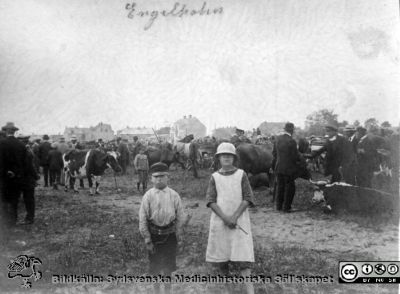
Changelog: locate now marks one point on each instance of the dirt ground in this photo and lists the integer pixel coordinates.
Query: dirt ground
(98, 235)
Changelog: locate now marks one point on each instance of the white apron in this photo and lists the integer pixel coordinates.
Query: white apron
(225, 244)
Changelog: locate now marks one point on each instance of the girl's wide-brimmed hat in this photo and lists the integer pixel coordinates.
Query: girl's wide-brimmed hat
(9, 126)
(226, 148)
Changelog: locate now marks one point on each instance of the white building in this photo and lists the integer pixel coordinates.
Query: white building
(141, 133)
(186, 126)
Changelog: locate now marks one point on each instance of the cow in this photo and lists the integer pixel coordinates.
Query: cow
(259, 180)
(190, 153)
(341, 197)
(257, 159)
(254, 159)
(90, 164)
(162, 153)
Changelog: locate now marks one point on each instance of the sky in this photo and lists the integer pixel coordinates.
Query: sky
(78, 63)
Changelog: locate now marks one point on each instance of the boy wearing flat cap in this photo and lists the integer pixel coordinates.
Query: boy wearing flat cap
(160, 222)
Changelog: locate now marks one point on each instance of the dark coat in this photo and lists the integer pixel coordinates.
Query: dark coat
(354, 143)
(285, 155)
(55, 160)
(44, 149)
(13, 158)
(339, 153)
(367, 151)
(31, 171)
(123, 151)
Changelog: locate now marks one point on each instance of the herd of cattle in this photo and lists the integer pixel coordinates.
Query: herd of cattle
(254, 159)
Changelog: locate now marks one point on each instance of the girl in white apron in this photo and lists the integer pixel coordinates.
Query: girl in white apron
(228, 195)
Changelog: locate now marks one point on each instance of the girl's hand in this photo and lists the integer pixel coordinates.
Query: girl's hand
(230, 221)
(150, 248)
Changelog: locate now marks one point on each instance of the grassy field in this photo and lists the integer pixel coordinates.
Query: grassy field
(98, 235)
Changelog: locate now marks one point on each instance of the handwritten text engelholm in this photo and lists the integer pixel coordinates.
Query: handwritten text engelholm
(178, 10)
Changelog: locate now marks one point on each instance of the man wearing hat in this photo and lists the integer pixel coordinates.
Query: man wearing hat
(285, 160)
(340, 156)
(44, 149)
(351, 134)
(13, 160)
(239, 137)
(63, 148)
(367, 157)
(160, 221)
(100, 145)
(351, 170)
(124, 154)
(349, 131)
(31, 175)
(74, 144)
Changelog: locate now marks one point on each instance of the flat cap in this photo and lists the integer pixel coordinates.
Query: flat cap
(159, 168)
(46, 137)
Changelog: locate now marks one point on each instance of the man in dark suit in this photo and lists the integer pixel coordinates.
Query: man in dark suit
(124, 154)
(367, 154)
(31, 175)
(285, 160)
(351, 134)
(350, 172)
(13, 162)
(340, 156)
(75, 145)
(44, 149)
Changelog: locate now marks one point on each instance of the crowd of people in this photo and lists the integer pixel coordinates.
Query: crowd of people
(22, 162)
(351, 158)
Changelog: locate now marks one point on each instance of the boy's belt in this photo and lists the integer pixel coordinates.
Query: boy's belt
(162, 230)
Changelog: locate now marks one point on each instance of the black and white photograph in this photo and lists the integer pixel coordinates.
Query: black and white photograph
(199, 146)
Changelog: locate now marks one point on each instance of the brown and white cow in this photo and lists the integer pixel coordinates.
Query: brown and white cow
(90, 164)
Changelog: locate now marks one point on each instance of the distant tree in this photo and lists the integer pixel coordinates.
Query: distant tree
(356, 123)
(224, 132)
(386, 124)
(316, 121)
(343, 123)
(271, 128)
(371, 123)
